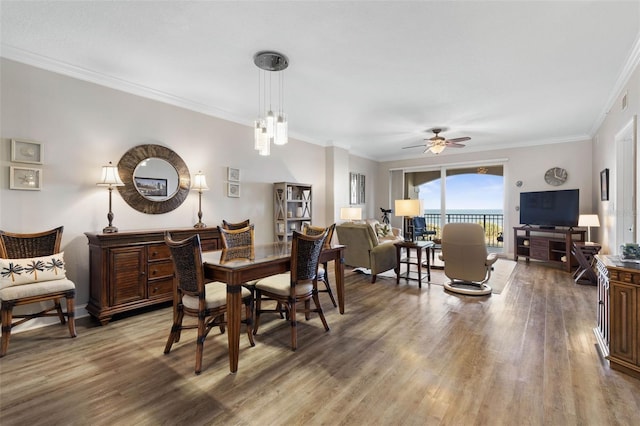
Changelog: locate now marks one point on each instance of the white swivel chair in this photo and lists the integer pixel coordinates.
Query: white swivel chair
(466, 260)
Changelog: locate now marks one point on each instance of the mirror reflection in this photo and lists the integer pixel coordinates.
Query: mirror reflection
(155, 179)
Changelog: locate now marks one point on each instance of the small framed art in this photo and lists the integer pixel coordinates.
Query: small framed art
(23, 151)
(233, 175)
(604, 185)
(233, 190)
(26, 178)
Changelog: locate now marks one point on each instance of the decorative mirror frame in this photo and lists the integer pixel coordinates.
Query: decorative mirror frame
(127, 167)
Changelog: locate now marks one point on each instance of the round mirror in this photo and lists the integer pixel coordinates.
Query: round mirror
(156, 180)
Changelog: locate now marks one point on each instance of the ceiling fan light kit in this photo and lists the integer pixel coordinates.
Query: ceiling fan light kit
(437, 143)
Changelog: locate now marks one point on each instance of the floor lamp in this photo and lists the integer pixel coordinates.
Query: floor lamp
(110, 178)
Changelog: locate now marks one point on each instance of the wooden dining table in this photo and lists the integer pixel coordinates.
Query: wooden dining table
(263, 260)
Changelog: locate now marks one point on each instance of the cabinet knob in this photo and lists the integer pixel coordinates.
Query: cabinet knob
(155, 253)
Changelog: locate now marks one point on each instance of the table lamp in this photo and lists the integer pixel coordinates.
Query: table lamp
(199, 184)
(351, 213)
(110, 178)
(588, 220)
(409, 209)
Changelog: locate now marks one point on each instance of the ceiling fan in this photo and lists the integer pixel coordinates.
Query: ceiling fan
(437, 144)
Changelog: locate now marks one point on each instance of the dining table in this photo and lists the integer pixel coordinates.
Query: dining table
(236, 267)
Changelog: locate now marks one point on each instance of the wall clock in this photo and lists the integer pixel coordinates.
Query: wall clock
(556, 176)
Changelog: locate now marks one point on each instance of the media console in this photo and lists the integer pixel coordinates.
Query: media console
(548, 245)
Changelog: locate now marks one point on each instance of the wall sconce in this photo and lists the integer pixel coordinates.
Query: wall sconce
(409, 209)
(110, 178)
(351, 213)
(589, 220)
(199, 184)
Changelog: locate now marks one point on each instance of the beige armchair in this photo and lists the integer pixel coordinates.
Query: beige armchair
(363, 249)
(466, 260)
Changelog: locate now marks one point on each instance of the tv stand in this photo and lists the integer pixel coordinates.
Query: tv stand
(547, 245)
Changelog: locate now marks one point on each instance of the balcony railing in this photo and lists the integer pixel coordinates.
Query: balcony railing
(492, 223)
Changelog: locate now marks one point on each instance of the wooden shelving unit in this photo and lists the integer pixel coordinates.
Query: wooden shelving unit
(548, 245)
(292, 208)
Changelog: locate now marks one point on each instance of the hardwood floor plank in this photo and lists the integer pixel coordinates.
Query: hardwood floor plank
(399, 355)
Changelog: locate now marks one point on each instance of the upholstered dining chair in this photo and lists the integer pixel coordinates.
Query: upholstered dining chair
(32, 270)
(297, 285)
(238, 225)
(207, 302)
(466, 260)
(322, 268)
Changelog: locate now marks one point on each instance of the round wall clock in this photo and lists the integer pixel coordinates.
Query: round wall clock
(556, 176)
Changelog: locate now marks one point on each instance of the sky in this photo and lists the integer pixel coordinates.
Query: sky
(468, 191)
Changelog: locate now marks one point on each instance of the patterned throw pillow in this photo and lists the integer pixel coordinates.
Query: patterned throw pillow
(383, 230)
(27, 271)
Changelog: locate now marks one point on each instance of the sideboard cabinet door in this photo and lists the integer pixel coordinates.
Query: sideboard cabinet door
(128, 280)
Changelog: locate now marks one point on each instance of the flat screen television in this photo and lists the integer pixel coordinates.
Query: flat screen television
(549, 209)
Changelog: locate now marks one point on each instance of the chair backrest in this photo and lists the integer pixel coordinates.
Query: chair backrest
(21, 246)
(187, 264)
(236, 237)
(464, 251)
(317, 230)
(360, 240)
(239, 225)
(305, 254)
(419, 226)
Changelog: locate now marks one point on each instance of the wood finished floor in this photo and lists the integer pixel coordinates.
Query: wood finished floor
(399, 356)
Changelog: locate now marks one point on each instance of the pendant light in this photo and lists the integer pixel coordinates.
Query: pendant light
(272, 127)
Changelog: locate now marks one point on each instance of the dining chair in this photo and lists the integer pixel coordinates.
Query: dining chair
(238, 225)
(32, 270)
(323, 275)
(297, 285)
(207, 302)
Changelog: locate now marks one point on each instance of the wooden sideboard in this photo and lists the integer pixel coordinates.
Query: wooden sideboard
(618, 325)
(133, 269)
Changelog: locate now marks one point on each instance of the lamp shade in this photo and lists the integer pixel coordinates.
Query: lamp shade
(200, 182)
(351, 213)
(588, 220)
(110, 176)
(408, 207)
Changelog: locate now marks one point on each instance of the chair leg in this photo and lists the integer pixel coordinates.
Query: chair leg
(71, 315)
(202, 334)
(307, 309)
(258, 303)
(58, 307)
(174, 335)
(294, 325)
(373, 278)
(7, 316)
(249, 319)
(316, 300)
(333, 300)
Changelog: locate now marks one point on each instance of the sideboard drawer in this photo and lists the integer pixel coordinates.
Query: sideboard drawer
(162, 269)
(157, 252)
(160, 288)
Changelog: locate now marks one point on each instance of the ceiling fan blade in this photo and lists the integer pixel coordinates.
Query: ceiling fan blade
(462, 139)
(413, 146)
(454, 145)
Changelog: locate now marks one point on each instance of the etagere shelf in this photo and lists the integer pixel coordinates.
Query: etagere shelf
(292, 208)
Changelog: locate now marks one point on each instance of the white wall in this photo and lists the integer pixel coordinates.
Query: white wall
(605, 157)
(83, 126)
(526, 164)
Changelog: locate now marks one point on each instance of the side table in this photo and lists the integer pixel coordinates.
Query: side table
(585, 252)
(418, 247)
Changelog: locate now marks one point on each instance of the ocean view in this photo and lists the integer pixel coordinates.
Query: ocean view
(465, 211)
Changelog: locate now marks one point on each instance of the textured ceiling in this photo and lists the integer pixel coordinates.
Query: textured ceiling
(372, 77)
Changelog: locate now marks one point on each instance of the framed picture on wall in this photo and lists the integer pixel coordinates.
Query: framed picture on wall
(23, 151)
(233, 175)
(604, 185)
(25, 178)
(233, 190)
